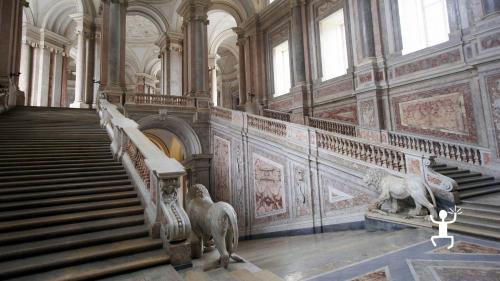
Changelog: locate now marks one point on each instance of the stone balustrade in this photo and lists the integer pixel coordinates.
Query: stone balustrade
(452, 151)
(333, 126)
(267, 125)
(278, 115)
(147, 99)
(221, 113)
(156, 176)
(359, 149)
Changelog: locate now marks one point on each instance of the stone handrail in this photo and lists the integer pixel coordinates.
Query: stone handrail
(438, 148)
(268, 125)
(333, 126)
(376, 154)
(148, 99)
(278, 115)
(221, 113)
(156, 176)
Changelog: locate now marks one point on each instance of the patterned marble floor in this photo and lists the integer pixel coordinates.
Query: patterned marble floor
(404, 255)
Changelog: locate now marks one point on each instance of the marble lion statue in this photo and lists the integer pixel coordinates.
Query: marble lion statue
(211, 220)
(394, 188)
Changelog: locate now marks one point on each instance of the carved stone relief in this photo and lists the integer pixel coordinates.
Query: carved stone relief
(222, 169)
(238, 185)
(367, 114)
(443, 113)
(302, 191)
(269, 186)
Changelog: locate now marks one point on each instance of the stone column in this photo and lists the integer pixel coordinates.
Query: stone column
(297, 38)
(64, 82)
(299, 89)
(41, 95)
(97, 60)
(194, 13)
(174, 64)
(25, 76)
(10, 48)
(241, 66)
(212, 66)
(163, 44)
(80, 71)
(57, 79)
(366, 28)
(90, 67)
(113, 50)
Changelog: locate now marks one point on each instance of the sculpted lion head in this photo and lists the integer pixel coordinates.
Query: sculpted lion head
(373, 178)
(198, 191)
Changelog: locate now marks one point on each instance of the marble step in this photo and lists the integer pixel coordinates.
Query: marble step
(92, 164)
(114, 187)
(17, 268)
(80, 156)
(479, 191)
(75, 228)
(482, 224)
(14, 192)
(11, 153)
(55, 162)
(479, 217)
(479, 206)
(17, 251)
(67, 209)
(12, 187)
(444, 168)
(43, 176)
(25, 224)
(57, 170)
(453, 171)
(481, 184)
(474, 179)
(474, 230)
(61, 201)
(464, 175)
(97, 270)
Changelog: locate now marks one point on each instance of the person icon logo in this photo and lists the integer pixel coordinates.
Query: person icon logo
(443, 225)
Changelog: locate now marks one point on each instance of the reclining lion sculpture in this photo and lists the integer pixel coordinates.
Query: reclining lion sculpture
(212, 220)
(393, 188)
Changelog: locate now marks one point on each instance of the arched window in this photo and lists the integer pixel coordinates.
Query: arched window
(424, 23)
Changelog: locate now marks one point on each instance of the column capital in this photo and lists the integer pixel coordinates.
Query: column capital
(196, 10)
(295, 3)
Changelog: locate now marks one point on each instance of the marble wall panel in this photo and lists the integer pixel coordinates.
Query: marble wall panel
(222, 169)
(367, 118)
(345, 113)
(302, 191)
(341, 197)
(428, 63)
(269, 187)
(493, 85)
(443, 112)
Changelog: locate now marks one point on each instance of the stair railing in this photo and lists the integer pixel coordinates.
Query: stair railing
(164, 100)
(333, 126)
(394, 159)
(156, 176)
(278, 115)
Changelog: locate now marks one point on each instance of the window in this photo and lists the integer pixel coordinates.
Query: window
(424, 23)
(281, 69)
(333, 45)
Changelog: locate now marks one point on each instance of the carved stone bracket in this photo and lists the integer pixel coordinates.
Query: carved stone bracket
(443, 187)
(177, 226)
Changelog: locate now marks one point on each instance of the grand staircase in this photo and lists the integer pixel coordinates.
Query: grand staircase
(480, 202)
(68, 210)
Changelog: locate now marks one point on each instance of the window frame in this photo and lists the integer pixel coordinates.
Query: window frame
(394, 38)
(274, 46)
(317, 63)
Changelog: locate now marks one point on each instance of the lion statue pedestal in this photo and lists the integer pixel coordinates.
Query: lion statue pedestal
(209, 221)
